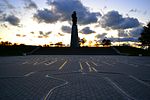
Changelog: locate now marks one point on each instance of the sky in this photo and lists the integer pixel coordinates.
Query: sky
(39, 22)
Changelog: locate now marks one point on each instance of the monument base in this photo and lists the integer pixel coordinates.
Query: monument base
(74, 37)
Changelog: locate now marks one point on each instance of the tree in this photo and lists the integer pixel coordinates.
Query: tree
(106, 42)
(145, 36)
(83, 41)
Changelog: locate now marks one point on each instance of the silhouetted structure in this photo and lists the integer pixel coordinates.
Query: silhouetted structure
(74, 32)
(145, 36)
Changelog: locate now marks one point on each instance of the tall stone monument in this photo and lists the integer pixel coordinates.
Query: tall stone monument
(74, 32)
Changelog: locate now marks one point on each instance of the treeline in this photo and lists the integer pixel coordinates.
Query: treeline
(8, 49)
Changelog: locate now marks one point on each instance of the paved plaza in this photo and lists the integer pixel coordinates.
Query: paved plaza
(75, 77)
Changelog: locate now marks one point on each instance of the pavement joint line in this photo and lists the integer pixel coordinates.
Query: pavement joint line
(25, 62)
(118, 88)
(50, 63)
(28, 74)
(107, 63)
(134, 65)
(147, 64)
(5, 77)
(140, 81)
(63, 65)
(48, 95)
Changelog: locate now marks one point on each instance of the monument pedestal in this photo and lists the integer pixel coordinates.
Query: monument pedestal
(74, 37)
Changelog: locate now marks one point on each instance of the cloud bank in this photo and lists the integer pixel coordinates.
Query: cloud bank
(13, 20)
(29, 4)
(61, 10)
(87, 30)
(66, 29)
(114, 20)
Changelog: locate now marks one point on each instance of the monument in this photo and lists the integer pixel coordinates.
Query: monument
(74, 32)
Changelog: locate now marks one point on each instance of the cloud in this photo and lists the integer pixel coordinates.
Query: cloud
(66, 29)
(60, 34)
(46, 16)
(29, 4)
(133, 10)
(32, 32)
(131, 39)
(101, 36)
(11, 19)
(114, 20)
(7, 4)
(136, 32)
(123, 33)
(20, 35)
(44, 34)
(61, 10)
(87, 30)
(4, 26)
(1, 11)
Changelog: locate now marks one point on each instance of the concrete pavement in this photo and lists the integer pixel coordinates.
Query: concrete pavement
(71, 77)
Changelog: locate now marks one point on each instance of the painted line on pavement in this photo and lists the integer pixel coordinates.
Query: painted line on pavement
(94, 69)
(25, 62)
(90, 69)
(37, 63)
(29, 74)
(48, 95)
(118, 88)
(94, 63)
(140, 81)
(63, 65)
(81, 67)
(47, 64)
(134, 65)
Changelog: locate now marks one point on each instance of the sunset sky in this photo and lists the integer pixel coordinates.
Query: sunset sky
(35, 22)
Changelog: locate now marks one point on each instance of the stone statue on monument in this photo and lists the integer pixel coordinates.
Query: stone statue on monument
(74, 18)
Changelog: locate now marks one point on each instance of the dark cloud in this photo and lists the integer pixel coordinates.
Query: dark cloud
(4, 25)
(136, 32)
(13, 20)
(123, 33)
(66, 29)
(47, 33)
(1, 11)
(29, 4)
(114, 20)
(101, 36)
(46, 16)
(40, 36)
(61, 10)
(32, 32)
(87, 30)
(131, 39)
(60, 34)
(44, 34)
(18, 35)
(133, 10)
